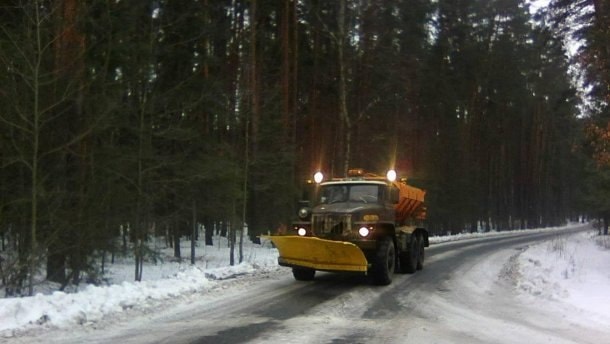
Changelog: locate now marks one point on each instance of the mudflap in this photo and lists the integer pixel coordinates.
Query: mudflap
(319, 254)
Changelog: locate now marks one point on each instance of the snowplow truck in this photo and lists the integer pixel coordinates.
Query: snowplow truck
(363, 223)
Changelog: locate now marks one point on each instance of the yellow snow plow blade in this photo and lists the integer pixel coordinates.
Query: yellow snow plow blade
(319, 254)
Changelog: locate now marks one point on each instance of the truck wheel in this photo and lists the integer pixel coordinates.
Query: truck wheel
(384, 262)
(420, 257)
(410, 259)
(303, 274)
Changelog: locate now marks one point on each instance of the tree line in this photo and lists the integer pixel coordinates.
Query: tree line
(587, 21)
(122, 120)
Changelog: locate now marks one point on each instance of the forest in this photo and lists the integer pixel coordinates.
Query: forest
(121, 120)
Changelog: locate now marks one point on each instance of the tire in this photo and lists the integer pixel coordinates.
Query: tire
(384, 262)
(303, 274)
(410, 258)
(421, 255)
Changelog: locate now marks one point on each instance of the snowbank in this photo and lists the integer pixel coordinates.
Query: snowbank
(571, 269)
(161, 281)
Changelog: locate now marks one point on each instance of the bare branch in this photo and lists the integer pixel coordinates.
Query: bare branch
(368, 106)
(15, 125)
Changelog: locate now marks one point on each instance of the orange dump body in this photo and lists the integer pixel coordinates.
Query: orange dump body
(410, 204)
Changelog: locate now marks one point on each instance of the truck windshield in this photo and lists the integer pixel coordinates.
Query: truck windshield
(364, 193)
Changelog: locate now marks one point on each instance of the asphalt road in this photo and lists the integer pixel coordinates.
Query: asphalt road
(440, 304)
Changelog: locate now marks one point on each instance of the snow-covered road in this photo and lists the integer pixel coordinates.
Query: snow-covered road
(483, 300)
(536, 287)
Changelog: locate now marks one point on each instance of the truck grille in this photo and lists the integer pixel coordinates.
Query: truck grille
(331, 224)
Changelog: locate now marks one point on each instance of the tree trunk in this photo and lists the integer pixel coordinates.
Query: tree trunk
(56, 265)
(194, 233)
(209, 231)
(255, 86)
(103, 261)
(244, 190)
(241, 243)
(288, 68)
(136, 248)
(125, 233)
(223, 228)
(343, 111)
(36, 121)
(176, 231)
(254, 75)
(232, 244)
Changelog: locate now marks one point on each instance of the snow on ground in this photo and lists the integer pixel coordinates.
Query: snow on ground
(570, 269)
(163, 280)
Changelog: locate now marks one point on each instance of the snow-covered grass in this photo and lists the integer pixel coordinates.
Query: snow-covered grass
(572, 269)
(603, 241)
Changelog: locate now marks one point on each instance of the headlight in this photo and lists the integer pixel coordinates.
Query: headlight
(364, 231)
(303, 213)
(302, 231)
(318, 177)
